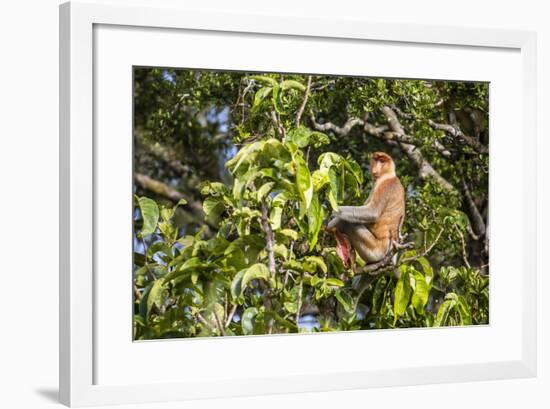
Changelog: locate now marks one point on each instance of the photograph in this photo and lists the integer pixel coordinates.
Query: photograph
(282, 203)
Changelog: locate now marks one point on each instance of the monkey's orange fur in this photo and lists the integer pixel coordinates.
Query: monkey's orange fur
(371, 228)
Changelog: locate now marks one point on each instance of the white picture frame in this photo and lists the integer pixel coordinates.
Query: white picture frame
(79, 384)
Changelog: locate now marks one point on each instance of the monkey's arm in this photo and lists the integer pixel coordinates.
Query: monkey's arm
(359, 214)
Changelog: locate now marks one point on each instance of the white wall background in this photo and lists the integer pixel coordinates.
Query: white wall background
(29, 204)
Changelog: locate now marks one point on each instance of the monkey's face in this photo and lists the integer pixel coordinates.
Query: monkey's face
(381, 164)
(377, 168)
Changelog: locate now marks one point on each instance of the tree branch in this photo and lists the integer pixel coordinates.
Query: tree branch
(340, 131)
(162, 189)
(395, 133)
(266, 227)
(230, 315)
(425, 169)
(278, 124)
(381, 132)
(475, 215)
(304, 102)
(203, 321)
(457, 133)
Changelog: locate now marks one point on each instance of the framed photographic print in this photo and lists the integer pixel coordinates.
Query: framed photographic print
(238, 198)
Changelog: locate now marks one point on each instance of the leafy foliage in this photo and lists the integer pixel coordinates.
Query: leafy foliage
(257, 260)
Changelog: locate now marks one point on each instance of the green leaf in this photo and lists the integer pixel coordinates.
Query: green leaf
(334, 282)
(421, 292)
(212, 207)
(318, 262)
(378, 292)
(243, 154)
(236, 284)
(150, 214)
(336, 186)
(280, 250)
(464, 311)
(194, 263)
(315, 216)
(257, 271)
(303, 181)
(292, 84)
(248, 320)
(328, 160)
(402, 293)
(143, 311)
(264, 190)
(332, 200)
(156, 296)
(291, 307)
(355, 170)
(443, 313)
(427, 268)
(261, 94)
(299, 136)
(346, 301)
(264, 80)
(277, 206)
(318, 139)
(292, 234)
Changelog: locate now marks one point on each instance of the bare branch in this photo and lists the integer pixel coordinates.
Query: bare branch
(218, 322)
(231, 315)
(392, 133)
(304, 102)
(464, 253)
(205, 323)
(278, 124)
(340, 131)
(425, 169)
(168, 156)
(457, 133)
(475, 215)
(162, 189)
(266, 227)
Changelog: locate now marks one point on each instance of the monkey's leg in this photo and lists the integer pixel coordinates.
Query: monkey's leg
(369, 248)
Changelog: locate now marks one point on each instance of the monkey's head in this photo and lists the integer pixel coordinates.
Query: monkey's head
(381, 164)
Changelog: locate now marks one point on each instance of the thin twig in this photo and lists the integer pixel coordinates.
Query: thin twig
(299, 302)
(426, 251)
(304, 102)
(218, 322)
(464, 254)
(230, 315)
(277, 122)
(457, 133)
(203, 321)
(266, 227)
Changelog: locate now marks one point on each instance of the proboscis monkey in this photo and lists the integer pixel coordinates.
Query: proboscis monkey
(370, 229)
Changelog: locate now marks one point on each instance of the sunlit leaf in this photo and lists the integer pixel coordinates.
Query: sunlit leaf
(156, 295)
(292, 84)
(420, 293)
(346, 301)
(335, 282)
(150, 214)
(315, 216)
(402, 293)
(260, 95)
(299, 136)
(303, 181)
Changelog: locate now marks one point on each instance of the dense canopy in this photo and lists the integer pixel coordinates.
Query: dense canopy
(237, 173)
